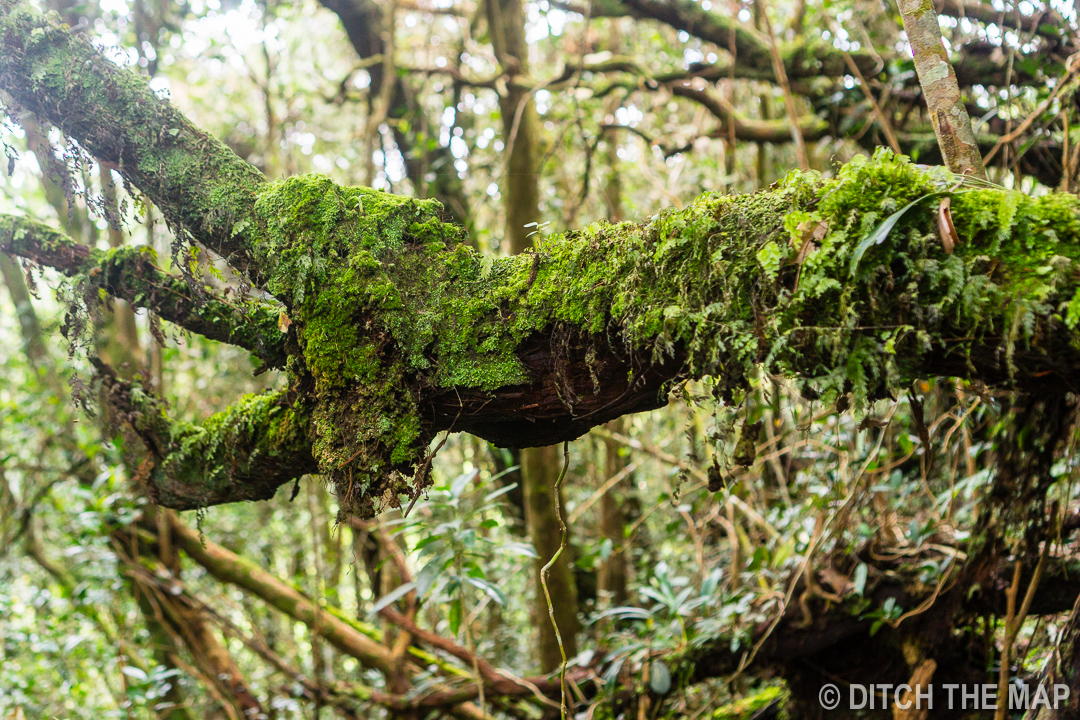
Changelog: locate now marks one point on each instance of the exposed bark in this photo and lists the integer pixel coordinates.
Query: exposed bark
(166, 606)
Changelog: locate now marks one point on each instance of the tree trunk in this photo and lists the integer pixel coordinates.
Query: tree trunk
(940, 89)
(615, 571)
(521, 195)
(540, 469)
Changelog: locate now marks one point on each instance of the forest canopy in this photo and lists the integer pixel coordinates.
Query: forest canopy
(634, 358)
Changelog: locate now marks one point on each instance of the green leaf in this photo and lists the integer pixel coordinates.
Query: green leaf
(631, 613)
(486, 264)
(770, 257)
(394, 595)
(660, 678)
(455, 616)
(427, 576)
(488, 589)
(860, 578)
(499, 493)
(882, 231)
(516, 548)
(426, 541)
(458, 485)
(134, 673)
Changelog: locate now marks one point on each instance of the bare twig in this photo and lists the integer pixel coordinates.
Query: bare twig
(1014, 620)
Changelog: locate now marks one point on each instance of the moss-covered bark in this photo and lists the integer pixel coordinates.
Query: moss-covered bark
(129, 273)
(195, 180)
(398, 330)
(402, 331)
(243, 453)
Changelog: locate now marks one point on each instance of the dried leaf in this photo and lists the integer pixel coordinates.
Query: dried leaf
(946, 229)
(837, 581)
(811, 234)
(808, 247)
(283, 322)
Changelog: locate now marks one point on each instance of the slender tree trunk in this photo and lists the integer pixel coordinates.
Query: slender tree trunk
(29, 326)
(951, 123)
(521, 194)
(540, 469)
(614, 573)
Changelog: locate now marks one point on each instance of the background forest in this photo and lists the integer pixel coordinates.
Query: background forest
(714, 566)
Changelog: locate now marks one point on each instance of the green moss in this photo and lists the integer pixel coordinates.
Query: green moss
(206, 456)
(388, 306)
(748, 706)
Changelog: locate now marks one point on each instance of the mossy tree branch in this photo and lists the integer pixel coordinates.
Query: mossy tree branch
(195, 180)
(129, 273)
(243, 453)
(401, 331)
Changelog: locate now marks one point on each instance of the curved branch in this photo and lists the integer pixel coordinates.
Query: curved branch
(246, 452)
(195, 180)
(771, 131)
(752, 53)
(129, 273)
